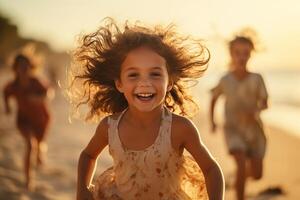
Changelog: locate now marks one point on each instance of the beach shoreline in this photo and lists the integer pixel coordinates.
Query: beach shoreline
(57, 180)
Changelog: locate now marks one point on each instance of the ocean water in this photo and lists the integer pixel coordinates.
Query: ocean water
(284, 98)
(284, 108)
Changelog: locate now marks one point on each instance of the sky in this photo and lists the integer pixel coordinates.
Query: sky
(277, 23)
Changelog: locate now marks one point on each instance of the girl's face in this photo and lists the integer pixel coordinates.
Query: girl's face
(22, 68)
(144, 79)
(240, 54)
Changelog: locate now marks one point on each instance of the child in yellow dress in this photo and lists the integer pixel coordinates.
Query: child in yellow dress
(136, 75)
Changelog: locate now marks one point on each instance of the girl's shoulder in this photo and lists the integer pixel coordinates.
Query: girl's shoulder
(179, 121)
(102, 128)
(256, 77)
(183, 131)
(10, 86)
(182, 125)
(226, 77)
(36, 81)
(105, 123)
(114, 116)
(254, 74)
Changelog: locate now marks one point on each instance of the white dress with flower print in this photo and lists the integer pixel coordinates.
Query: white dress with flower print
(155, 173)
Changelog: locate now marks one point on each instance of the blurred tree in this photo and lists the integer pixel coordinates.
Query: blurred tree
(10, 41)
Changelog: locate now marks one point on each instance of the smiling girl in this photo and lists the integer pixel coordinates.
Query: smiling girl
(135, 75)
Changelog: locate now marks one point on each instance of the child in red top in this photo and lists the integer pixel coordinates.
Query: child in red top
(32, 113)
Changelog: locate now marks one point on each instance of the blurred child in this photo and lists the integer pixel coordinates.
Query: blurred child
(245, 97)
(32, 113)
(136, 75)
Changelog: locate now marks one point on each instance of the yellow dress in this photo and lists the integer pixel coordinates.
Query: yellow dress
(155, 173)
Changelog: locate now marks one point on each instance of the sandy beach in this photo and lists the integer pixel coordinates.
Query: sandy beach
(281, 166)
(57, 179)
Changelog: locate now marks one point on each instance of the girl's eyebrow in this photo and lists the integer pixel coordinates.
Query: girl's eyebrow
(135, 68)
(130, 68)
(159, 68)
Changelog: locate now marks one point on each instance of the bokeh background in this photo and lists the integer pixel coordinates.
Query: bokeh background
(53, 27)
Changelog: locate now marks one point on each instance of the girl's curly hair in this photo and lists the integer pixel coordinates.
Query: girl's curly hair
(241, 39)
(99, 57)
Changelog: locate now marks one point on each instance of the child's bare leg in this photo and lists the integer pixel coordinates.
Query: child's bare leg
(256, 166)
(41, 151)
(41, 144)
(240, 159)
(30, 146)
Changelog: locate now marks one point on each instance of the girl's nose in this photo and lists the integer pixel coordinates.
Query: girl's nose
(144, 83)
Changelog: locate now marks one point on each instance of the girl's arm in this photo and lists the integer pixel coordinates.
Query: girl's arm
(7, 94)
(262, 104)
(211, 113)
(215, 94)
(262, 95)
(250, 115)
(210, 168)
(87, 160)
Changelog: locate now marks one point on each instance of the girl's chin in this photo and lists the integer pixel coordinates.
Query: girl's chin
(147, 107)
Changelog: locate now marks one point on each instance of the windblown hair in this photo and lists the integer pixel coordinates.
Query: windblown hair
(98, 59)
(241, 39)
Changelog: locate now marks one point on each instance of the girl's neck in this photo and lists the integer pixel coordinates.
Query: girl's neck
(23, 80)
(240, 74)
(135, 116)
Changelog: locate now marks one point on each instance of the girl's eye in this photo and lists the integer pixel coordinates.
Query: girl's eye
(155, 74)
(132, 75)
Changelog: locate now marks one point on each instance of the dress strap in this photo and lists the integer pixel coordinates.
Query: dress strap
(113, 141)
(166, 130)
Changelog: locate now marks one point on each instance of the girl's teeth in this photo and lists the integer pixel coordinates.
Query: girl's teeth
(144, 95)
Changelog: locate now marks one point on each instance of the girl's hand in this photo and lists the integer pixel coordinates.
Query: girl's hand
(85, 195)
(213, 127)
(7, 110)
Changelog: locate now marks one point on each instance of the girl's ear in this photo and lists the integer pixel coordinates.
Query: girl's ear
(170, 86)
(118, 85)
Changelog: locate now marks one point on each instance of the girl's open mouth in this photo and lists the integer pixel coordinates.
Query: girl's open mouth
(145, 96)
